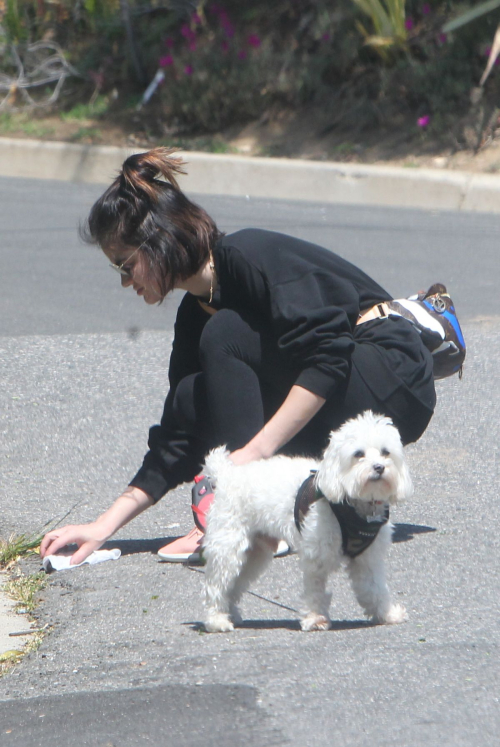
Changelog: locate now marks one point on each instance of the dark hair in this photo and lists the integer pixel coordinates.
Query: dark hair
(140, 210)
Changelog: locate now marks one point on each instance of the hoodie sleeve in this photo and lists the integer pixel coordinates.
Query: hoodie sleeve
(311, 317)
(175, 457)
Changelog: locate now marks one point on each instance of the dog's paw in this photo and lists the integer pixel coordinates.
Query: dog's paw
(313, 621)
(393, 616)
(219, 623)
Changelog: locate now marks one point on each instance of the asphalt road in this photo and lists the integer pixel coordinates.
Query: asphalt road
(84, 374)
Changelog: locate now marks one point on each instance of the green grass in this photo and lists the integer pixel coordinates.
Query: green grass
(17, 546)
(205, 144)
(344, 149)
(23, 589)
(91, 110)
(14, 123)
(86, 133)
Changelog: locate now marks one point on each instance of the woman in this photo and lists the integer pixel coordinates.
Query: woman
(269, 353)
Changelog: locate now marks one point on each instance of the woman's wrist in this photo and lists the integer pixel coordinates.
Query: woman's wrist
(130, 504)
(261, 446)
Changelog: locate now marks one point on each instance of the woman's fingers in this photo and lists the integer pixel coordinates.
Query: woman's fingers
(84, 536)
(84, 551)
(53, 541)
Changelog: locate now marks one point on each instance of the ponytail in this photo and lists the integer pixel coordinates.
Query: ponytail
(140, 172)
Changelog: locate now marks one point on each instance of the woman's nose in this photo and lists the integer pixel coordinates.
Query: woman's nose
(126, 280)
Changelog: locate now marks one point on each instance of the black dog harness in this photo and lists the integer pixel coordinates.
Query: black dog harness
(357, 533)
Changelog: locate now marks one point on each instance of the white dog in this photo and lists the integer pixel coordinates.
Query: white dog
(362, 473)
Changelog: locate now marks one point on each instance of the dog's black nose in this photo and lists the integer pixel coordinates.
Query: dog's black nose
(378, 468)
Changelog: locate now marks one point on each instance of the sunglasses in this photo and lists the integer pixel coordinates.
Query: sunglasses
(125, 271)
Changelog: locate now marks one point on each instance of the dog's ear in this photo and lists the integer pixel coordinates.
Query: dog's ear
(329, 473)
(405, 484)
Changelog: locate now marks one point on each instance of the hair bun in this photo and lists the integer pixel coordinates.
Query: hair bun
(141, 170)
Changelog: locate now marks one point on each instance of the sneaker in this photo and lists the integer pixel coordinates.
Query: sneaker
(202, 496)
(184, 549)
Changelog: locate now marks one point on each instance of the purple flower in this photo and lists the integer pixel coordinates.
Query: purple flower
(325, 37)
(423, 121)
(169, 42)
(192, 46)
(254, 41)
(166, 61)
(188, 70)
(196, 18)
(228, 28)
(224, 45)
(442, 38)
(226, 24)
(426, 9)
(409, 24)
(242, 55)
(188, 33)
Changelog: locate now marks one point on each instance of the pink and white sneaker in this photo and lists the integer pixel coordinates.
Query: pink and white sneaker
(184, 549)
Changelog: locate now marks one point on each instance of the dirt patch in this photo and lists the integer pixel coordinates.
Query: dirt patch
(282, 134)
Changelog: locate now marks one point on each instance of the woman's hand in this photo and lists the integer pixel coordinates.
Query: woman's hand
(88, 537)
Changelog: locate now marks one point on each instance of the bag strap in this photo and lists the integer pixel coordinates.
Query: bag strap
(379, 311)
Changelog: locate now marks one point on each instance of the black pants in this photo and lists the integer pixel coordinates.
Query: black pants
(243, 380)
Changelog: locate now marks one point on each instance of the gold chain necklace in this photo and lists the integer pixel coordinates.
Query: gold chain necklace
(212, 268)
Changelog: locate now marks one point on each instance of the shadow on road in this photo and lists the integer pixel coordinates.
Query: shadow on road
(402, 533)
(405, 532)
(135, 546)
(287, 624)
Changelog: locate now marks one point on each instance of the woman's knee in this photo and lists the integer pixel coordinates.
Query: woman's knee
(189, 406)
(227, 333)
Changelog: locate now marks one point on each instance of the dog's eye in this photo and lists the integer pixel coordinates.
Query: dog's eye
(385, 452)
(359, 454)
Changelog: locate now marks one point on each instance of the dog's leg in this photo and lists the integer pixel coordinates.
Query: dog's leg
(367, 573)
(226, 555)
(316, 600)
(257, 559)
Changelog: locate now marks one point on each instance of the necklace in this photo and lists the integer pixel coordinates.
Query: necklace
(212, 269)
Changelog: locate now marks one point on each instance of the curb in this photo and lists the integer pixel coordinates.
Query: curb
(351, 184)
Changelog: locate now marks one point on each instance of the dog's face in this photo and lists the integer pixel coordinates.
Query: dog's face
(365, 460)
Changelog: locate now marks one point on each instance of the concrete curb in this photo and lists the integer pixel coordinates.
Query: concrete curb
(265, 177)
(10, 622)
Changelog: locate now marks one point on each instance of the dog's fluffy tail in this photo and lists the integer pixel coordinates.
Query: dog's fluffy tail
(217, 462)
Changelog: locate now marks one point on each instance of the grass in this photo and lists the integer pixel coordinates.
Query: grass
(206, 144)
(91, 110)
(18, 546)
(93, 134)
(346, 148)
(23, 590)
(14, 123)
